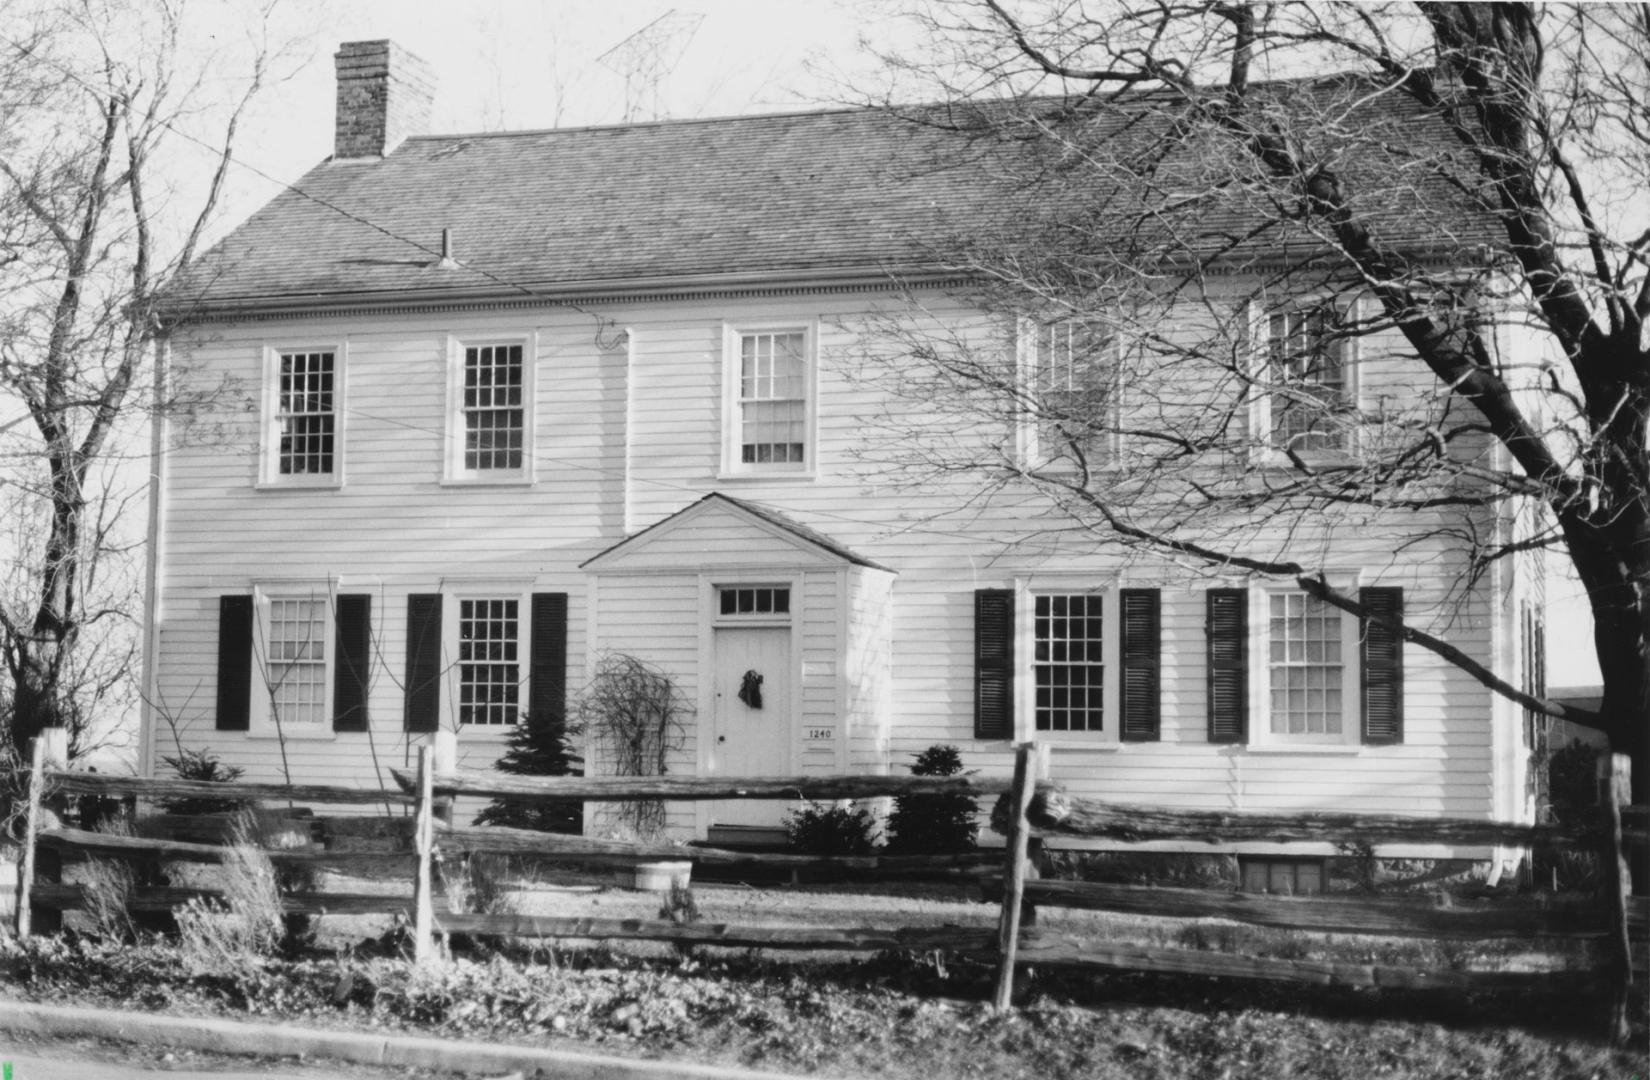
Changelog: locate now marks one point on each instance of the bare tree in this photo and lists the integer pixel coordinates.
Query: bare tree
(96, 98)
(1456, 187)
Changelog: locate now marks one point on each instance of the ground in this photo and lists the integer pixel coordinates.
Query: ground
(901, 1016)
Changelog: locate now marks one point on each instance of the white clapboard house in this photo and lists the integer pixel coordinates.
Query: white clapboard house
(501, 404)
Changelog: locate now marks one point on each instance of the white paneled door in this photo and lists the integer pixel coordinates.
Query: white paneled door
(751, 729)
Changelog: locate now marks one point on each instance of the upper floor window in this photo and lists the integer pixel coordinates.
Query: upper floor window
(491, 421)
(1074, 367)
(1309, 381)
(770, 413)
(301, 417)
(754, 601)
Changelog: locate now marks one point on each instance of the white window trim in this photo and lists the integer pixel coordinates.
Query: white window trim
(754, 618)
(452, 595)
(1028, 361)
(1026, 591)
(269, 435)
(1260, 400)
(262, 719)
(1261, 736)
(453, 471)
(732, 468)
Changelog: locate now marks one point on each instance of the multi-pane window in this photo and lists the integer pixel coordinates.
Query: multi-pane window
(1306, 664)
(1069, 636)
(298, 660)
(755, 600)
(1309, 392)
(773, 398)
(1075, 366)
(305, 421)
(489, 671)
(494, 409)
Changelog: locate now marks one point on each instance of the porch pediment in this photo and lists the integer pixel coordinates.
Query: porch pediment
(721, 531)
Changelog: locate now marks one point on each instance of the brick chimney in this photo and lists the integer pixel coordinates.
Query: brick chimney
(384, 95)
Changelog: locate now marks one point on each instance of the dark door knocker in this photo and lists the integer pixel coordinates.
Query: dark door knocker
(750, 690)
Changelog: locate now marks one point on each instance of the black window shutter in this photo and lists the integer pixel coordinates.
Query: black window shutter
(1382, 667)
(423, 686)
(547, 675)
(352, 661)
(234, 663)
(1139, 650)
(994, 663)
(1226, 630)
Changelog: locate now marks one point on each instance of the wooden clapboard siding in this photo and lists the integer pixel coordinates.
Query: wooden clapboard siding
(626, 435)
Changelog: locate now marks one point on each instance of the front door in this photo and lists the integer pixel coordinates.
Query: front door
(751, 727)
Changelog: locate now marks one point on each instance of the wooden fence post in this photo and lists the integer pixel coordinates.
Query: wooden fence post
(31, 826)
(1014, 871)
(424, 842)
(1618, 887)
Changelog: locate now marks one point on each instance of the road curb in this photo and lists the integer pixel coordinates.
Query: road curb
(282, 1040)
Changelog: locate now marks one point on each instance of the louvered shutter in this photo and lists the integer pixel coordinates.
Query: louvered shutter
(235, 615)
(1140, 650)
(423, 685)
(994, 663)
(352, 662)
(1382, 675)
(1226, 631)
(547, 674)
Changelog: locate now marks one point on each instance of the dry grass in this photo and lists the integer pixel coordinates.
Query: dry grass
(246, 925)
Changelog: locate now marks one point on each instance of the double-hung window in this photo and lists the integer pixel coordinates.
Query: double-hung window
(1075, 375)
(296, 654)
(1309, 381)
(491, 416)
(1306, 666)
(294, 659)
(1285, 667)
(1069, 669)
(302, 395)
(770, 411)
(1073, 663)
(489, 662)
(484, 655)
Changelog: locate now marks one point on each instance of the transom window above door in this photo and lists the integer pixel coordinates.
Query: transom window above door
(754, 601)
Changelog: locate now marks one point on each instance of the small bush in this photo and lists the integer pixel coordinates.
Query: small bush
(538, 746)
(202, 765)
(933, 824)
(830, 830)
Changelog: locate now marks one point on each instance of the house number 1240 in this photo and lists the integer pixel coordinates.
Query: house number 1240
(819, 733)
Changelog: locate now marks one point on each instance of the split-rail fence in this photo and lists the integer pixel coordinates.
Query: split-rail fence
(1611, 921)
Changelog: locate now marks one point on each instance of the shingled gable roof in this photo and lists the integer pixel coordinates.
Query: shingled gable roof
(806, 197)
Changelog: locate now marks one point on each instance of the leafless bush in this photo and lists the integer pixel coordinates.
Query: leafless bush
(243, 926)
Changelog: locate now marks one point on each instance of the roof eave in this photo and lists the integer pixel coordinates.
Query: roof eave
(218, 308)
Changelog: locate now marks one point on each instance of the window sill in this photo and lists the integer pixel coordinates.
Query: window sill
(331, 483)
(1083, 746)
(303, 736)
(487, 481)
(1332, 749)
(776, 474)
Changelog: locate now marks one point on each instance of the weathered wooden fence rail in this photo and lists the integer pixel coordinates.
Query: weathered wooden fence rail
(1613, 924)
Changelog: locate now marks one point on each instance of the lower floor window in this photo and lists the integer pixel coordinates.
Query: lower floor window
(297, 676)
(489, 671)
(1070, 674)
(1307, 668)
